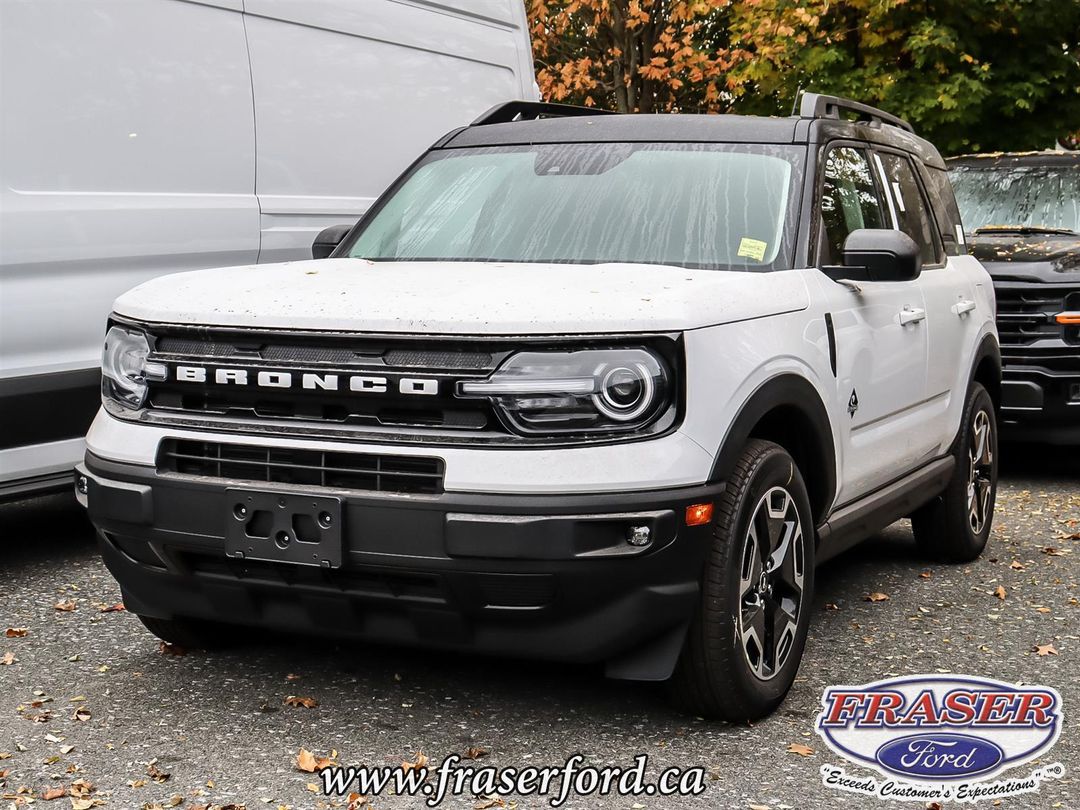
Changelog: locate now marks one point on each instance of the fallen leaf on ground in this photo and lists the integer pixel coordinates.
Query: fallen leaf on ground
(16, 632)
(475, 752)
(488, 802)
(171, 649)
(926, 574)
(292, 676)
(305, 702)
(119, 606)
(155, 773)
(1050, 551)
(65, 607)
(309, 763)
(1000, 592)
(356, 801)
(420, 762)
(82, 714)
(8, 659)
(1016, 565)
(800, 749)
(877, 596)
(1045, 649)
(53, 793)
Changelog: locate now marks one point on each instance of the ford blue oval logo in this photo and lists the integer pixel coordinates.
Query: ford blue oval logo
(939, 756)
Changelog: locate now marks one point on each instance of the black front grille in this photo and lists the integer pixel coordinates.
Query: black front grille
(335, 357)
(286, 465)
(1025, 312)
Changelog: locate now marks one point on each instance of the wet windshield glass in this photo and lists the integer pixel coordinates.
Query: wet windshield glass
(713, 206)
(1018, 196)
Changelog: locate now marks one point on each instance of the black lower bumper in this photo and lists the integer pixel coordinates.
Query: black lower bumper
(542, 576)
(1039, 405)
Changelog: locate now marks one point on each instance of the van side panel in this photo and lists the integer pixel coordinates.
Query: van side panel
(127, 150)
(372, 84)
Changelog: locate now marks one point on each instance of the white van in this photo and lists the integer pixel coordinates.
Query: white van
(144, 137)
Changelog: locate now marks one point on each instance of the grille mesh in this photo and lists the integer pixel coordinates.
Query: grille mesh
(362, 471)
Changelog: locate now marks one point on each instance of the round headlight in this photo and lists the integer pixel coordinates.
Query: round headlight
(626, 392)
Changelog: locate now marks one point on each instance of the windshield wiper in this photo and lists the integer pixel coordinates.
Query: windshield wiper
(1025, 229)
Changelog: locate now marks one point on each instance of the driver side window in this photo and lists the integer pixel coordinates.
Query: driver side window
(849, 200)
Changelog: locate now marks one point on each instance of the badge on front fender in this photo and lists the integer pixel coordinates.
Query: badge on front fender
(940, 737)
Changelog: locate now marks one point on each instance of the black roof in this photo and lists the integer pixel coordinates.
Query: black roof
(631, 128)
(686, 128)
(1017, 159)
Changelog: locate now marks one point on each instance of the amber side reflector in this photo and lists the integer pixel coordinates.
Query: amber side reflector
(699, 514)
(1069, 318)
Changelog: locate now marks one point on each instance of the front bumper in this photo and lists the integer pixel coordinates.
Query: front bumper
(539, 576)
(1040, 404)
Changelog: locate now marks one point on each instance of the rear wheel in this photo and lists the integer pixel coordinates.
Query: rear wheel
(956, 525)
(747, 637)
(188, 633)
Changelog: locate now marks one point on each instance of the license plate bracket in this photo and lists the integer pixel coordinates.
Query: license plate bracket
(284, 527)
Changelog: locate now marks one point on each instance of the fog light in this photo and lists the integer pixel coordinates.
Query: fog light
(699, 514)
(638, 535)
(82, 485)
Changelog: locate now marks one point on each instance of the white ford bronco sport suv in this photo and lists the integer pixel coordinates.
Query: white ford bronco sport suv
(580, 386)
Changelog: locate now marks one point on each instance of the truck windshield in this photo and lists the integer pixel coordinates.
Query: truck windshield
(1018, 197)
(711, 206)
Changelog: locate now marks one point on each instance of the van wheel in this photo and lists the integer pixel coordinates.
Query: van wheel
(188, 633)
(746, 640)
(956, 525)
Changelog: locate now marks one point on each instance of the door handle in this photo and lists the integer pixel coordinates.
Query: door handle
(963, 307)
(911, 315)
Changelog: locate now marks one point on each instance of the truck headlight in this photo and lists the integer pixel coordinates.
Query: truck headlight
(125, 367)
(577, 391)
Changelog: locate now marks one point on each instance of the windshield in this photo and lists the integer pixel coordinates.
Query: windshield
(1018, 196)
(713, 206)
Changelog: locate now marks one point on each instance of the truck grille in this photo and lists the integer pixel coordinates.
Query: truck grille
(345, 360)
(286, 465)
(1025, 312)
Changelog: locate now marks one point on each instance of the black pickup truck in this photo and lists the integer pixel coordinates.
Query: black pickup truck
(1021, 212)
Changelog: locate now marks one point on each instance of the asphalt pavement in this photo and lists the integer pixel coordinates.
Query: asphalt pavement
(88, 699)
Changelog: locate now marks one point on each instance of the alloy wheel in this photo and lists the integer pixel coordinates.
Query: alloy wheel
(771, 572)
(981, 470)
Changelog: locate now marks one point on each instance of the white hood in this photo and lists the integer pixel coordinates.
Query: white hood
(463, 297)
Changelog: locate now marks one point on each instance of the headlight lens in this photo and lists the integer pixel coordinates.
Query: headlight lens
(578, 391)
(124, 367)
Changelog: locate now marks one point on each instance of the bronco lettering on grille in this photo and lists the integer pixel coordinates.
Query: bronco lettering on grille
(413, 386)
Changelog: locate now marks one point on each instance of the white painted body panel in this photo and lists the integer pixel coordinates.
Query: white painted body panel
(144, 138)
(674, 460)
(464, 298)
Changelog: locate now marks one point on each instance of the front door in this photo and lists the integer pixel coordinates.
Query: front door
(880, 336)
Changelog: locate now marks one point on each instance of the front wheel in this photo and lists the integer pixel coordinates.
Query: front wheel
(956, 525)
(747, 638)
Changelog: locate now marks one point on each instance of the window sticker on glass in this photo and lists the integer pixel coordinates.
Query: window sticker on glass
(752, 248)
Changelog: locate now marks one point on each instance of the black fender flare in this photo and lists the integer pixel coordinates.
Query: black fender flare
(989, 348)
(788, 391)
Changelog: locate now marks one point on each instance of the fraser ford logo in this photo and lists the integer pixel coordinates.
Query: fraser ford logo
(940, 737)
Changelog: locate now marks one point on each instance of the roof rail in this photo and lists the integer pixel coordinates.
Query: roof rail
(816, 105)
(531, 110)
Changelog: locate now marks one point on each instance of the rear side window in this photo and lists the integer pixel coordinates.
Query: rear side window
(849, 200)
(946, 211)
(912, 211)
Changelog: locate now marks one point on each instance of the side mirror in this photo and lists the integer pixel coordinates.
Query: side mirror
(328, 239)
(878, 254)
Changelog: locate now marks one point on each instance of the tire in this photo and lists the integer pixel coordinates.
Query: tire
(955, 526)
(718, 676)
(188, 633)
